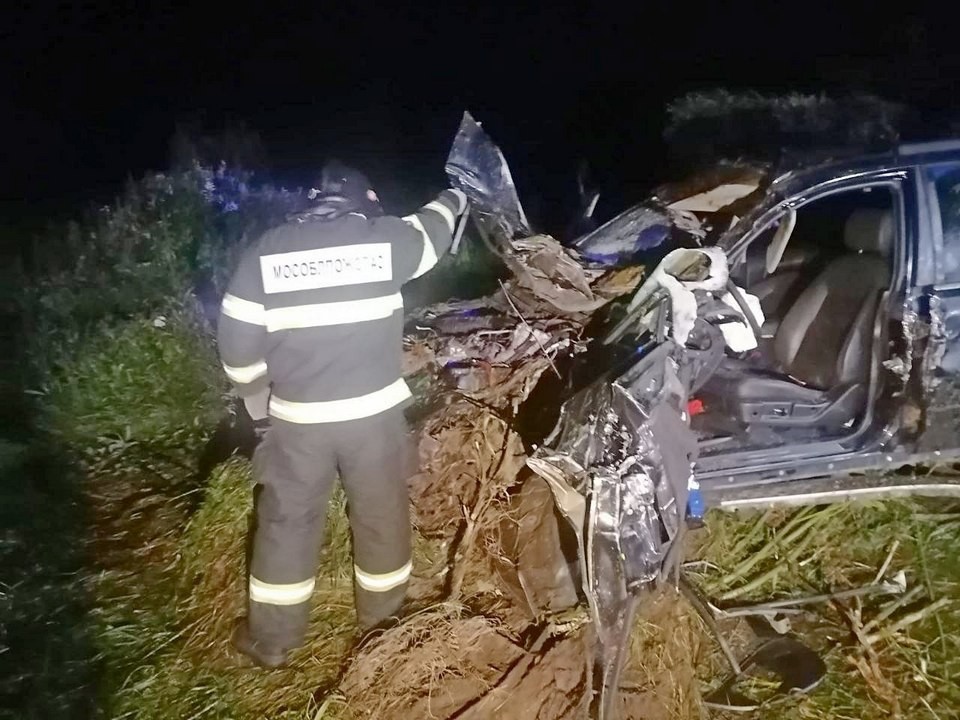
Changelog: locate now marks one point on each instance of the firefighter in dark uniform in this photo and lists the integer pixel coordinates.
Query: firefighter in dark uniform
(310, 333)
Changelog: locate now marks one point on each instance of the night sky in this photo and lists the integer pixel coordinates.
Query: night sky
(95, 90)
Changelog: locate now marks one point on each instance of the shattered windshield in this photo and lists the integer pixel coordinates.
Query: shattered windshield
(690, 213)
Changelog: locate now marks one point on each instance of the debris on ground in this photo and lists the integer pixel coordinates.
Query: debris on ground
(443, 663)
(521, 548)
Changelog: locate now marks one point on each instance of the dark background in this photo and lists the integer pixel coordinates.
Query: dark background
(94, 91)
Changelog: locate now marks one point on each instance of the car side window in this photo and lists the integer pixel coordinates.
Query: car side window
(946, 183)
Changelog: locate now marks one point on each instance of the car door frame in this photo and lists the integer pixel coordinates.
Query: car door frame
(875, 444)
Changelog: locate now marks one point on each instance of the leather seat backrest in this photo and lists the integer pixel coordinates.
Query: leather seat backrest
(825, 337)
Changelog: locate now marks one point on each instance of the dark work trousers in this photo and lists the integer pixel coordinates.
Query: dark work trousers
(298, 466)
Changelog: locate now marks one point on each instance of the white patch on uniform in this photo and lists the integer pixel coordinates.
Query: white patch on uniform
(333, 313)
(326, 267)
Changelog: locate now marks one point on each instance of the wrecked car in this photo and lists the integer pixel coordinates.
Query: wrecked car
(854, 266)
(848, 277)
(800, 332)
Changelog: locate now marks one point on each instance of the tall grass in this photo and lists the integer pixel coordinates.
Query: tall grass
(169, 633)
(48, 655)
(141, 381)
(885, 657)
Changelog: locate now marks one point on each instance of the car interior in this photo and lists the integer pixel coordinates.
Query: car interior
(819, 274)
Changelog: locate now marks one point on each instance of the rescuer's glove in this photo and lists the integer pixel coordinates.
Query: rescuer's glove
(256, 405)
(260, 427)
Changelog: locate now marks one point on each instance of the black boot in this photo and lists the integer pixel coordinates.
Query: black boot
(263, 655)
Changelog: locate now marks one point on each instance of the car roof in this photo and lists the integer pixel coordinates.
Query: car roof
(904, 155)
(950, 148)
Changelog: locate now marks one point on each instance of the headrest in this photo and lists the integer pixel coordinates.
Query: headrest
(870, 230)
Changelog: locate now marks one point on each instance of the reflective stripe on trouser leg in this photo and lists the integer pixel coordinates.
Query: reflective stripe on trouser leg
(297, 469)
(380, 596)
(383, 582)
(281, 593)
(373, 457)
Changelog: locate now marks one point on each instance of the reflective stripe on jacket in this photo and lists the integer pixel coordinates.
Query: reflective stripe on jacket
(314, 311)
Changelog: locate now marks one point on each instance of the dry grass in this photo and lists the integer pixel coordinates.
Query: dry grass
(887, 656)
(167, 605)
(437, 661)
(667, 646)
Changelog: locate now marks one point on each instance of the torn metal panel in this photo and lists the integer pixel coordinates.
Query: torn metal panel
(620, 457)
(940, 376)
(714, 199)
(624, 447)
(634, 231)
(671, 214)
(477, 167)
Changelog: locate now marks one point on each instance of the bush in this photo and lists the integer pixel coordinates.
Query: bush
(138, 381)
(114, 332)
(144, 254)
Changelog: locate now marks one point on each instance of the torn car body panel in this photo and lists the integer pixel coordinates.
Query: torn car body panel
(476, 166)
(940, 374)
(620, 459)
(678, 214)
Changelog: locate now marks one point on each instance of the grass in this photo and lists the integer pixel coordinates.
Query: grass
(166, 568)
(168, 632)
(185, 669)
(48, 662)
(885, 658)
(144, 599)
(137, 382)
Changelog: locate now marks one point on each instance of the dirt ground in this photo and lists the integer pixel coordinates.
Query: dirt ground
(446, 664)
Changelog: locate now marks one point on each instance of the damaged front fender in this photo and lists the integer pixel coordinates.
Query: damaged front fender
(619, 464)
(620, 458)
